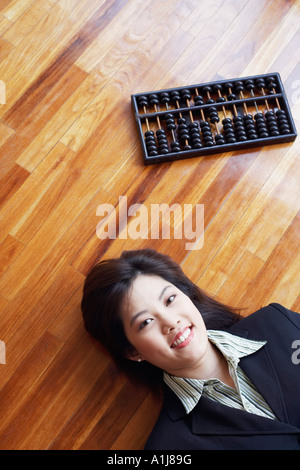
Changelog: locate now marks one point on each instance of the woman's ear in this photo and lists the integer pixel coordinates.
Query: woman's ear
(134, 355)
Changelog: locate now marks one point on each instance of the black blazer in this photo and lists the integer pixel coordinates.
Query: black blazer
(274, 371)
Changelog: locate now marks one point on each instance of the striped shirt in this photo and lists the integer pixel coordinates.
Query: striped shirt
(244, 397)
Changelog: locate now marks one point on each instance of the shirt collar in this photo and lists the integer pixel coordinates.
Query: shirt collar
(232, 347)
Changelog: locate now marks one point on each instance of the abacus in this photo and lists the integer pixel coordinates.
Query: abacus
(215, 117)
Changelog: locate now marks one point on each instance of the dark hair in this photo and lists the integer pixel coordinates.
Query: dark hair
(104, 292)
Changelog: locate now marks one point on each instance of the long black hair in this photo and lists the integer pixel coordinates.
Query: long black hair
(104, 293)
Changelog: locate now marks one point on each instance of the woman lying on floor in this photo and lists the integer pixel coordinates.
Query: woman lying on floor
(229, 382)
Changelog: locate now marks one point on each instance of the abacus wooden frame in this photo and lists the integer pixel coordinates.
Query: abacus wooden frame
(280, 95)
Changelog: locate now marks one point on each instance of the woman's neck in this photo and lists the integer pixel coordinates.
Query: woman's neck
(213, 365)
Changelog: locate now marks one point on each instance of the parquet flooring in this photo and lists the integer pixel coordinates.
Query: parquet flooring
(68, 143)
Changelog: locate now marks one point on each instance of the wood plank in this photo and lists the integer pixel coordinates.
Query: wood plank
(224, 235)
(10, 249)
(15, 8)
(115, 418)
(67, 375)
(12, 181)
(41, 49)
(22, 330)
(25, 22)
(36, 92)
(285, 293)
(34, 120)
(97, 402)
(275, 267)
(17, 390)
(19, 207)
(241, 280)
(129, 439)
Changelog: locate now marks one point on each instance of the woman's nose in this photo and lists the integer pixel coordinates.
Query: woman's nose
(169, 325)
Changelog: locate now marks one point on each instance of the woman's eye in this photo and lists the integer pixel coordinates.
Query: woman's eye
(145, 323)
(170, 299)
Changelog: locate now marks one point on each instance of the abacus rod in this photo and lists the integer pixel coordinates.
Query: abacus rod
(190, 112)
(276, 99)
(201, 110)
(147, 122)
(234, 106)
(157, 117)
(180, 115)
(266, 101)
(172, 131)
(255, 104)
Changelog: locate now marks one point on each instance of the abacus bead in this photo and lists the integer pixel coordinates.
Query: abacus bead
(284, 126)
(198, 100)
(219, 139)
(231, 97)
(171, 125)
(228, 85)
(175, 96)
(239, 86)
(143, 103)
(149, 133)
(175, 147)
(143, 99)
(217, 87)
(271, 85)
(249, 84)
(210, 101)
(186, 94)
(258, 115)
(260, 83)
(165, 97)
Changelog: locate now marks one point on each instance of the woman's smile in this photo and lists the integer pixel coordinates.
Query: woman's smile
(183, 338)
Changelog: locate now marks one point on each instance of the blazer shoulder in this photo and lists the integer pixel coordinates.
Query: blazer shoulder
(272, 316)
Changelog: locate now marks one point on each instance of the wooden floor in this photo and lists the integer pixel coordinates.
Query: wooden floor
(69, 143)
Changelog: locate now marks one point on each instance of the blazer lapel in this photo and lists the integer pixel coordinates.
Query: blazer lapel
(260, 370)
(211, 418)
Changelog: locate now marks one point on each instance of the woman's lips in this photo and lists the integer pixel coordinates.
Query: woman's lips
(182, 338)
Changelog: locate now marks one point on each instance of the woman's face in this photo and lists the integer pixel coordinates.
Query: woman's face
(164, 326)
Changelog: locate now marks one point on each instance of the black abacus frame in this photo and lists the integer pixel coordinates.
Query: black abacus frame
(215, 149)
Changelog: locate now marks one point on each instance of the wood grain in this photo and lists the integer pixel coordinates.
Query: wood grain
(69, 143)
